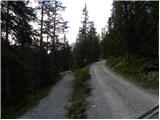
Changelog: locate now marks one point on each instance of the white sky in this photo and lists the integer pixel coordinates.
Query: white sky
(99, 12)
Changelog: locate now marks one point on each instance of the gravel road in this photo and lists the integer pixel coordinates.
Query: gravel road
(53, 106)
(114, 97)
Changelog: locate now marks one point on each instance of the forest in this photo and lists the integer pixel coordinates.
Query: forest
(34, 47)
(132, 30)
(31, 58)
(131, 41)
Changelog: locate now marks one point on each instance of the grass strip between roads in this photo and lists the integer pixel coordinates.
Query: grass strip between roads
(81, 91)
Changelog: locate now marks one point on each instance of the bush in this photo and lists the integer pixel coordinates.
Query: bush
(141, 70)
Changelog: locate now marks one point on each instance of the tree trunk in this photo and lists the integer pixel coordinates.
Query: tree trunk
(53, 45)
(126, 42)
(41, 35)
(7, 67)
(40, 50)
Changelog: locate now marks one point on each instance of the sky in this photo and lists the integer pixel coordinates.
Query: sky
(98, 10)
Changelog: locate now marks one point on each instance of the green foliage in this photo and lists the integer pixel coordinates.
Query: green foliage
(80, 93)
(87, 49)
(27, 65)
(141, 70)
(19, 109)
(132, 30)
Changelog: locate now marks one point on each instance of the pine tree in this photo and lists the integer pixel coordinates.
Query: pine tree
(16, 40)
(87, 48)
(132, 30)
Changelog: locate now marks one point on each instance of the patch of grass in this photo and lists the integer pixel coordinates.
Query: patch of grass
(15, 111)
(139, 70)
(80, 93)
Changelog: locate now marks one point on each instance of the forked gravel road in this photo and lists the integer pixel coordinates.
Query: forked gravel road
(114, 97)
(53, 106)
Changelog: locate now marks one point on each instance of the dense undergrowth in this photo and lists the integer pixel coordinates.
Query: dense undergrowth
(142, 71)
(80, 93)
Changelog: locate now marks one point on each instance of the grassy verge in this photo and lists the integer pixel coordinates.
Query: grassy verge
(80, 93)
(13, 112)
(140, 70)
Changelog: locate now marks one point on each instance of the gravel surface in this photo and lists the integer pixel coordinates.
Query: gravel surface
(114, 97)
(53, 106)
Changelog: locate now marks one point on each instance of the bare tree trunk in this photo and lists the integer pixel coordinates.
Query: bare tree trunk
(7, 68)
(53, 45)
(41, 35)
(126, 42)
(40, 52)
(48, 31)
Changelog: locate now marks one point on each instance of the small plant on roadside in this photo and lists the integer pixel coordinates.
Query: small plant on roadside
(139, 70)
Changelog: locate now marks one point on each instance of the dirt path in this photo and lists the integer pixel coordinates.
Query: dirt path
(114, 97)
(53, 106)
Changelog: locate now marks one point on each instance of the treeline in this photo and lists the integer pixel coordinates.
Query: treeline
(130, 44)
(132, 31)
(87, 48)
(34, 50)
